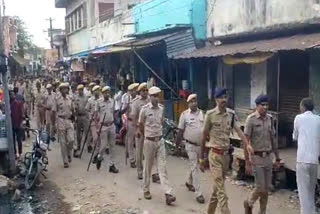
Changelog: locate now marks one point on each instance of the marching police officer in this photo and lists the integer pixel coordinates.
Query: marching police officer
(49, 102)
(40, 106)
(219, 122)
(63, 112)
(105, 106)
(82, 120)
(259, 130)
(131, 124)
(190, 129)
(150, 126)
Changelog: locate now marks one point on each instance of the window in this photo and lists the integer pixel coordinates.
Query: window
(106, 11)
(75, 20)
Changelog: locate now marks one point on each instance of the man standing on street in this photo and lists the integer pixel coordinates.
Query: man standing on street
(151, 127)
(40, 106)
(17, 116)
(260, 133)
(50, 99)
(63, 109)
(131, 125)
(190, 129)
(136, 108)
(82, 120)
(105, 106)
(28, 97)
(306, 132)
(219, 122)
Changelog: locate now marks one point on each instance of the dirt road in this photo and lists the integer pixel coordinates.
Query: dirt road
(101, 192)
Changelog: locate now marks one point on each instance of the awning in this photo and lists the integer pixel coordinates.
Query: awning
(107, 50)
(297, 42)
(21, 61)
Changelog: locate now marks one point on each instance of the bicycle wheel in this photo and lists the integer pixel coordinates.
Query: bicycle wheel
(32, 174)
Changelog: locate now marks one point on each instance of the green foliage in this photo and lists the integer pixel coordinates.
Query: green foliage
(24, 38)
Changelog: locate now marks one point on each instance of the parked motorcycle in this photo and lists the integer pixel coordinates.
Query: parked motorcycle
(36, 161)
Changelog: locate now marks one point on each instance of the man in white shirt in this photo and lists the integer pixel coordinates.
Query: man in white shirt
(117, 108)
(306, 132)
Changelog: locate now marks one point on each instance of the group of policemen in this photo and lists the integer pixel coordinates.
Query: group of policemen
(90, 109)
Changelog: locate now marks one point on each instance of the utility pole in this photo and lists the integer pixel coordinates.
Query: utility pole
(3, 72)
(51, 32)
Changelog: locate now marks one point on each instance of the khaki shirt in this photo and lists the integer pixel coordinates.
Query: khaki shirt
(50, 100)
(131, 103)
(192, 125)
(28, 94)
(136, 108)
(63, 107)
(152, 118)
(80, 104)
(91, 105)
(261, 131)
(40, 100)
(105, 107)
(218, 124)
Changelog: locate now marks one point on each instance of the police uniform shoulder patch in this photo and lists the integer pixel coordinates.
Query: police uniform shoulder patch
(211, 111)
(251, 115)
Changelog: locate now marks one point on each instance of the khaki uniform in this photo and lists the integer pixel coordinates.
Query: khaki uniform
(82, 119)
(28, 96)
(261, 133)
(91, 105)
(219, 126)
(108, 130)
(63, 108)
(136, 108)
(192, 125)
(40, 110)
(131, 130)
(49, 102)
(154, 148)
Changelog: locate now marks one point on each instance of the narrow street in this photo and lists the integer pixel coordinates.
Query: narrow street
(101, 192)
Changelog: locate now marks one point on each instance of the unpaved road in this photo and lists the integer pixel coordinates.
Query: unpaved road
(101, 192)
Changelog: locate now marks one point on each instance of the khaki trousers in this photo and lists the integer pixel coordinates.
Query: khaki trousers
(155, 150)
(131, 140)
(49, 126)
(66, 139)
(139, 155)
(108, 139)
(40, 118)
(28, 108)
(219, 165)
(82, 125)
(193, 177)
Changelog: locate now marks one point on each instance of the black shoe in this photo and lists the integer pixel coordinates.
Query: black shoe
(98, 164)
(95, 158)
(53, 139)
(190, 187)
(66, 165)
(200, 199)
(89, 149)
(107, 151)
(69, 158)
(156, 178)
(28, 135)
(140, 177)
(113, 169)
(76, 154)
(170, 199)
(133, 165)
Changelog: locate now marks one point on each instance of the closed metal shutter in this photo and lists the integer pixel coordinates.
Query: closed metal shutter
(242, 85)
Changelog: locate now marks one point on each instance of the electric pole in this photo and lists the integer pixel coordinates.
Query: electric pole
(51, 32)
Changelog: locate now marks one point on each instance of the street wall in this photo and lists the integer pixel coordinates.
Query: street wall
(156, 15)
(258, 81)
(229, 17)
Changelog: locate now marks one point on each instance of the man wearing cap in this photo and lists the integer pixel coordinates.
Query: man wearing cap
(40, 106)
(82, 120)
(218, 124)
(91, 85)
(63, 111)
(105, 106)
(90, 108)
(131, 124)
(142, 100)
(49, 102)
(190, 129)
(259, 130)
(151, 127)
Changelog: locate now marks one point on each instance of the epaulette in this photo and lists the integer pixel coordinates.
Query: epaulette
(211, 111)
(251, 115)
(231, 111)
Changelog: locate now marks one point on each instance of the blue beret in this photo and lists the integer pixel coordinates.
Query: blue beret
(263, 98)
(218, 92)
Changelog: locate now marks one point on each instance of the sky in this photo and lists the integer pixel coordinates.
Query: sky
(34, 13)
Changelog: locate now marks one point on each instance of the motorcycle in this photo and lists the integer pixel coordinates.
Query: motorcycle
(36, 161)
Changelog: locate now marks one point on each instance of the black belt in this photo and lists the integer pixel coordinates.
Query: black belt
(262, 153)
(154, 138)
(64, 117)
(195, 144)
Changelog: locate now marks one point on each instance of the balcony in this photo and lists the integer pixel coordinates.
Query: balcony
(61, 3)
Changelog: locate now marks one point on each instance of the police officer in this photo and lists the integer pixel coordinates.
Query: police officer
(190, 129)
(91, 105)
(63, 110)
(219, 122)
(49, 102)
(82, 120)
(131, 124)
(142, 100)
(28, 96)
(150, 125)
(259, 130)
(90, 87)
(105, 106)
(40, 106)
